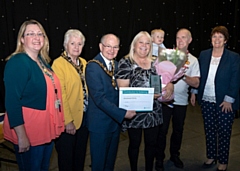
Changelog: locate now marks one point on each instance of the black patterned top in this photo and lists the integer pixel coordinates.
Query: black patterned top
(139, 78)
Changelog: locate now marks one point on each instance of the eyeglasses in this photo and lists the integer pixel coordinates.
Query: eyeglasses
(110, 47)
(34, 34)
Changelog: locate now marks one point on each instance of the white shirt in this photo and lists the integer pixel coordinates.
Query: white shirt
(181, 87)
(209, 90)
(107, 62)
(155, 48)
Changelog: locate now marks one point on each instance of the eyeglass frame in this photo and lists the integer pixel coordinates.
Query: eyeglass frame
(110, 47)
(31, 34)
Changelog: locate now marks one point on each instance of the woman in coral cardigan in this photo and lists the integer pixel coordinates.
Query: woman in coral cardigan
(34, 114)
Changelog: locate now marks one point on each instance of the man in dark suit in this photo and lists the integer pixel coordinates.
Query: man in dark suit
(104, 118)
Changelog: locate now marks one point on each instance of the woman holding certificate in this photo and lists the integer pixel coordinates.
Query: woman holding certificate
(134, 70)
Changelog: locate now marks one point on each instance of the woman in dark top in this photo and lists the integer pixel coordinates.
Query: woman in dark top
(134, 70)
(218, 95)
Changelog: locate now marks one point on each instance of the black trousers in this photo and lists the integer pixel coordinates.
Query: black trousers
(71, 150)
(178, 115)
(150, 140)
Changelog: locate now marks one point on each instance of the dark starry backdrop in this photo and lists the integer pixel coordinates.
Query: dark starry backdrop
(125, 18)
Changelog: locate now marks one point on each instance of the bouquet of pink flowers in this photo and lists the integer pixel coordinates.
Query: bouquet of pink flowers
(170, 65)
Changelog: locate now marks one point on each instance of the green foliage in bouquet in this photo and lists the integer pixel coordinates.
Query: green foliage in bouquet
(177, 57)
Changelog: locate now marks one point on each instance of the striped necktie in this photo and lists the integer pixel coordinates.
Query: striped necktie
(110, 66)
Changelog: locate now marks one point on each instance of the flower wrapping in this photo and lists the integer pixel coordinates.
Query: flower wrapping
(170, 65)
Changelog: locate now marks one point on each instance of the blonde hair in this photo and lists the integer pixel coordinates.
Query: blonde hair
(73, 32)
(134, 41)
(157, 30)
(19, 48)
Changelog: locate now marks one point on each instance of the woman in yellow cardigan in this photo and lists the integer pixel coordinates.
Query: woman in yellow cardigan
(70, 69)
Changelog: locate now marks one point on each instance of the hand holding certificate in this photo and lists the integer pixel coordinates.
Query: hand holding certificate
(136, 98)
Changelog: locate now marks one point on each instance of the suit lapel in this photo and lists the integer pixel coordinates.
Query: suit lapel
(100, 59)
(222, 63)
(205, 62)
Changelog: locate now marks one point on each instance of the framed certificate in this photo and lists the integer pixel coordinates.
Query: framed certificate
(136, 98)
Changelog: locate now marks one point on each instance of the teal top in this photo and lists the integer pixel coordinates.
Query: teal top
(25, 86)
